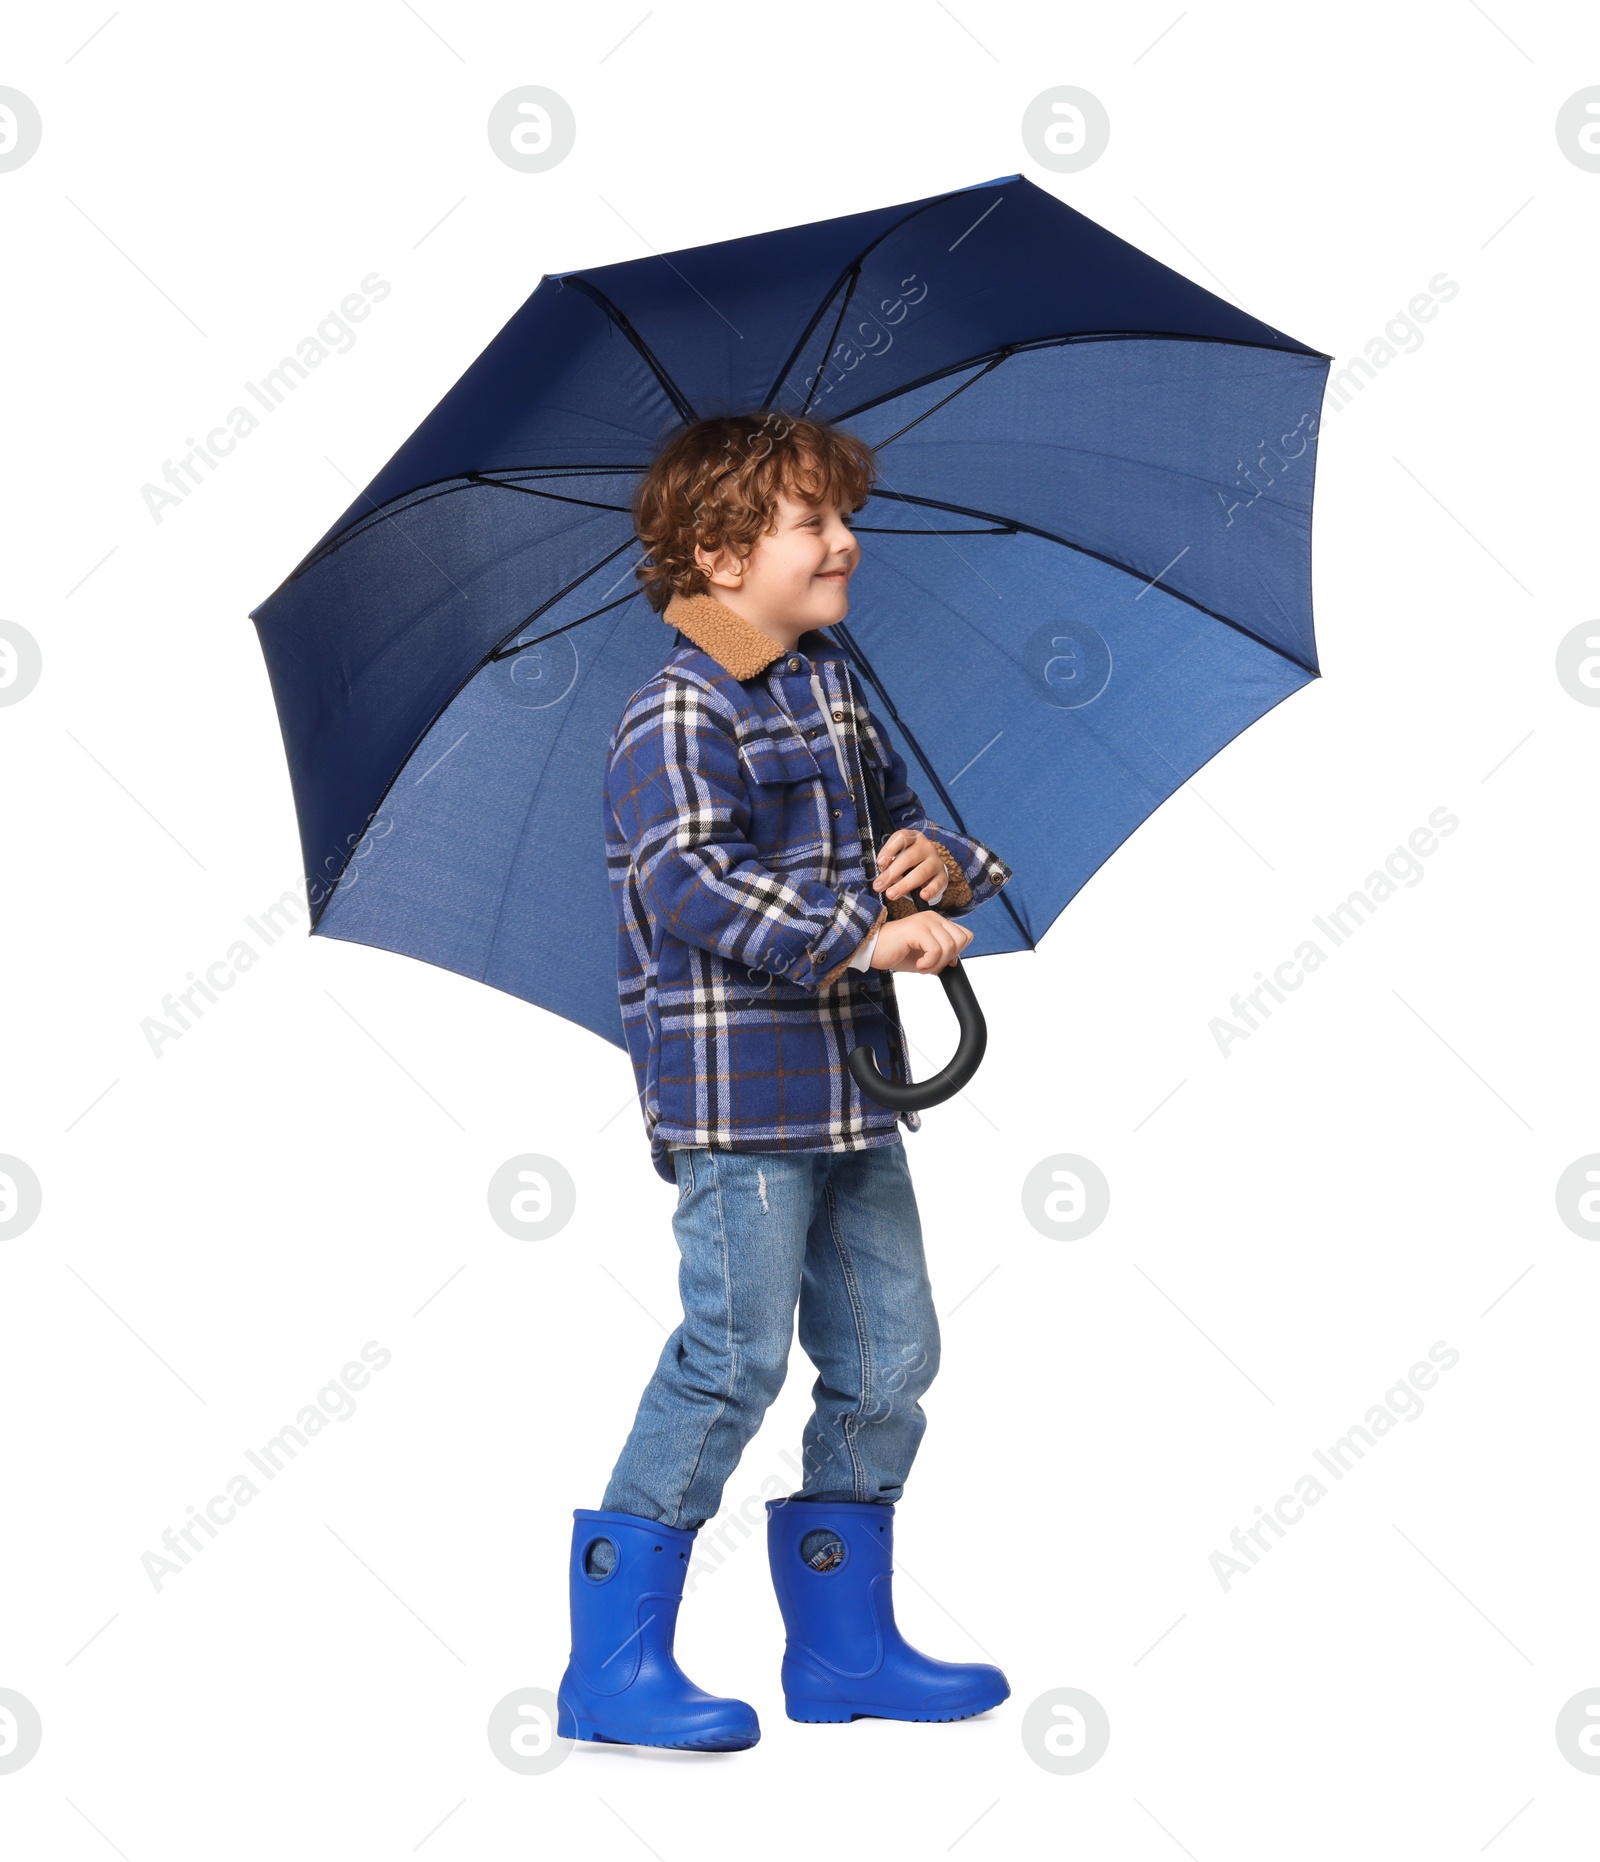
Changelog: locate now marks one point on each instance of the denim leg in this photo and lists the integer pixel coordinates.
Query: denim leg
(741, 1225)
(867, 1322)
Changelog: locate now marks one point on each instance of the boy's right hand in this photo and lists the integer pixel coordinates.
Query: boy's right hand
(922, 941)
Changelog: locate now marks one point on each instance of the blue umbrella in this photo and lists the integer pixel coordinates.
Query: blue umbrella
(1085, 569)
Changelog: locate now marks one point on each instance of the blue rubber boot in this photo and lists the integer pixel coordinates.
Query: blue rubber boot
(622, 1684)
(833, 1567)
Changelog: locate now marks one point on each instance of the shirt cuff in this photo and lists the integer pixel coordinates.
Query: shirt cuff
(862, 960)
(861, 913)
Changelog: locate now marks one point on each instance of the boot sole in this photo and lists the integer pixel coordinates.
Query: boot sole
(826, 1713)
(569, 1728)
(675, 1745)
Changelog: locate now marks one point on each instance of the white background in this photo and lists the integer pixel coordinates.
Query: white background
(225, 1226)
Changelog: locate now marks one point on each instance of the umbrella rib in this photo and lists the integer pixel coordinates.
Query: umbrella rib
(993, 363)
(922, 757)
(566, 465)
(439, 488)
(1026, 345)
(544, 607)
(474, 480)
(855, 266)
(1035, 530)
(531, 491)
(844, 305)
(598, 297)
(521, 646)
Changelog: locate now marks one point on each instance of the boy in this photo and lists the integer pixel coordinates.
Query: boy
(757, 933)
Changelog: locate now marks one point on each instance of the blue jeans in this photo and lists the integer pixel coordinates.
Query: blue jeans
(758, 1231)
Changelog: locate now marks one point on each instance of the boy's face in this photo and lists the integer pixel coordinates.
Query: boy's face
(797, 577)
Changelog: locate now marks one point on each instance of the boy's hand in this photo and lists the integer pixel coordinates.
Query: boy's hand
(908, 859)
(925, 941)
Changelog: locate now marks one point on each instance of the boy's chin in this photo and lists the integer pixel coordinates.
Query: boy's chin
(826, 612)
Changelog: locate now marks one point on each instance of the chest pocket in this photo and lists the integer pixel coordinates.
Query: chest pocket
(771, 757)
(785, 787)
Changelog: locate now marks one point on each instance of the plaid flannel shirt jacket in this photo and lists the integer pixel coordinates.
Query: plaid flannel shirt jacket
(741, 868)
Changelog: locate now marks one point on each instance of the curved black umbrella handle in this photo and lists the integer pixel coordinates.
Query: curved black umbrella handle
(918, 1094)
(899, 1096)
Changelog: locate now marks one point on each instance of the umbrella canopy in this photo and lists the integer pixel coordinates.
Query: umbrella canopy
(1085, 568)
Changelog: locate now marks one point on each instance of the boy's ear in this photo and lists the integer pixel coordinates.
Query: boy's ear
(724, 569)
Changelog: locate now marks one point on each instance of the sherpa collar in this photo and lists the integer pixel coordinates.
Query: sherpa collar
(737, 645)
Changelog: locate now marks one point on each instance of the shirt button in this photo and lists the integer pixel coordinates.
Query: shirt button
(794, 665)
(836, 814)
(996, 875)
(838, 717)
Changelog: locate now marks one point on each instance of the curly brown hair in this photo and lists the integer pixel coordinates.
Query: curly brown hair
(716, 483)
